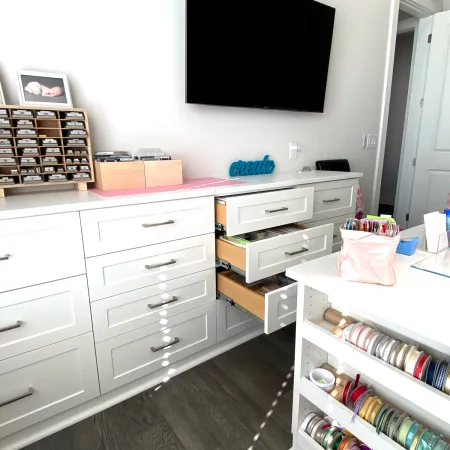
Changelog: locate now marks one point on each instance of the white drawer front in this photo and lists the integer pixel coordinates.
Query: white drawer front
(36, 250)
(254, 212)
(337, 223)
(272, 256)
(126, 312)
(232, 321)
(335, 198)
(133, 355)
(37, 316)
(46, 382)
(113, 229)
(122, 272)
(281, 308)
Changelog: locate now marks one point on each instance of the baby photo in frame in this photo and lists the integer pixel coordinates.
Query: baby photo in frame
(46, 89)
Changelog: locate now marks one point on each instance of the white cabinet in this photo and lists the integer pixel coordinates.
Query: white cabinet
(245, 213)
(232, 321)
(37, 316)
(132, 355)
(114, 229)
(126, 312)
(122, 272)
(39, 249)
(45, 382)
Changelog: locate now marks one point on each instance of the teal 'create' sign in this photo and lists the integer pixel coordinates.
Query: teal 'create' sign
(243, 168)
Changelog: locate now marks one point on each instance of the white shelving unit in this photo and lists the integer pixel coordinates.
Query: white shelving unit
(416, 310)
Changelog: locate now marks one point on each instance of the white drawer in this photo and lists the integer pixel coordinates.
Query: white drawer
(133, 355)
(276, 308)
(37, 316)
(335, 198)
(113, 229)
(271, 255)
(232, 321)
(36, 250)
(245, 213)
(337, 223)
(46, 382)
(121, 272)
(126, 312)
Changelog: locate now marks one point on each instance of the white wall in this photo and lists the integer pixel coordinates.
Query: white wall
(446, 5)
(397, 111)
(125, 64)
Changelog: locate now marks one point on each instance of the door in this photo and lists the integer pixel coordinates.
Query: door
(432, 178)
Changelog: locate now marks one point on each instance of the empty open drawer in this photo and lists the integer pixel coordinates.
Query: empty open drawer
(245, 213)
(266, 253)
(273, 300)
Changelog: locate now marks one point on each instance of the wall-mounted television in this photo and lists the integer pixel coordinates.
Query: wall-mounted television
(270, 54)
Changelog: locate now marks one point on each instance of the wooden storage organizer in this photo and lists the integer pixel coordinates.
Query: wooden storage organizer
(45, 128)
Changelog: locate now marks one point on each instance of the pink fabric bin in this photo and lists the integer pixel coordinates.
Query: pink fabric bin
(368, 258)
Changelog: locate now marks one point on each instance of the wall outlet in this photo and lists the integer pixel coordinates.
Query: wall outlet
(370, 141)
(294, 149)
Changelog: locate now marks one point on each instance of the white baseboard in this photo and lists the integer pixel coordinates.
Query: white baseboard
(54, 424)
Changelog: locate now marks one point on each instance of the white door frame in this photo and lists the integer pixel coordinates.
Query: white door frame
(419, 9)
(413, 118)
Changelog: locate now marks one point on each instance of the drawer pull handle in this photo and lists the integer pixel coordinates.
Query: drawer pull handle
(303, 250)
(155, 266)
(335, 236)
(270, 211)
(18, 324)
(162, 347)
(5, 257)
(166, 302)
(159, 224)
(332, 200)
(16, 399)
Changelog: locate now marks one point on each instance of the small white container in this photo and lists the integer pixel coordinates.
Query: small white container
(323, 379)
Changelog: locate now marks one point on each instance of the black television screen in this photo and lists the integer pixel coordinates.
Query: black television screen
(258, 53)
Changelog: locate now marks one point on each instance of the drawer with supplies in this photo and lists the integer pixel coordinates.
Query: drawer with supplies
(45, 382)
(138, 308)
(121, 272)
(337, 223)
(32, 250)
(37, 316)
(246, 213)
(114, 229)
(272, 300)
(133, 355)
(335, 198)
(264, 253)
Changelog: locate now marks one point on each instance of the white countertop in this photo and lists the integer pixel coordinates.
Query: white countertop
(51, 202)
(417, 306)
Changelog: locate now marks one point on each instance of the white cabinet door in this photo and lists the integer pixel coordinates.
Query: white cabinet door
(36, 250)
(232, 321)
(253, 212)
(138, 308)
(113, 229)
(46, 382)
(37, 316)
(138, 353)
(432, 176)
(280, 308)
(122, 272)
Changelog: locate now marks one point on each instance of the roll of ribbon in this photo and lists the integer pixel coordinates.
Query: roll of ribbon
(361, 400)
(346, 333)
(411, 434)
(373, 341)
(387, 351)
(411, 362)
(420, 366)
(398, 425)
(364, 407)
(363, 337)
(417, 438)
(306, 421)
(430, 372)
(447, 383)
(405, 426)
(354, 396)
(392, 425)
(382, 346)
(374, 403)
(394, 353)
(401, 356)
(355, 332)
(374, 413)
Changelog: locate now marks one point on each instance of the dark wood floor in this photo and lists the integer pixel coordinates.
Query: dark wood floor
(218, 405)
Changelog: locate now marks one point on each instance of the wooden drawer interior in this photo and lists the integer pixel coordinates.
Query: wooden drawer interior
(250, 296)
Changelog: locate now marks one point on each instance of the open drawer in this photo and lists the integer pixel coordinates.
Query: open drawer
(269, 252)
(273, 300)
(245, 213)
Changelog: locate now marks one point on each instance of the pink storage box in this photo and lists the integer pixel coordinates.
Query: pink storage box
(368, 258)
